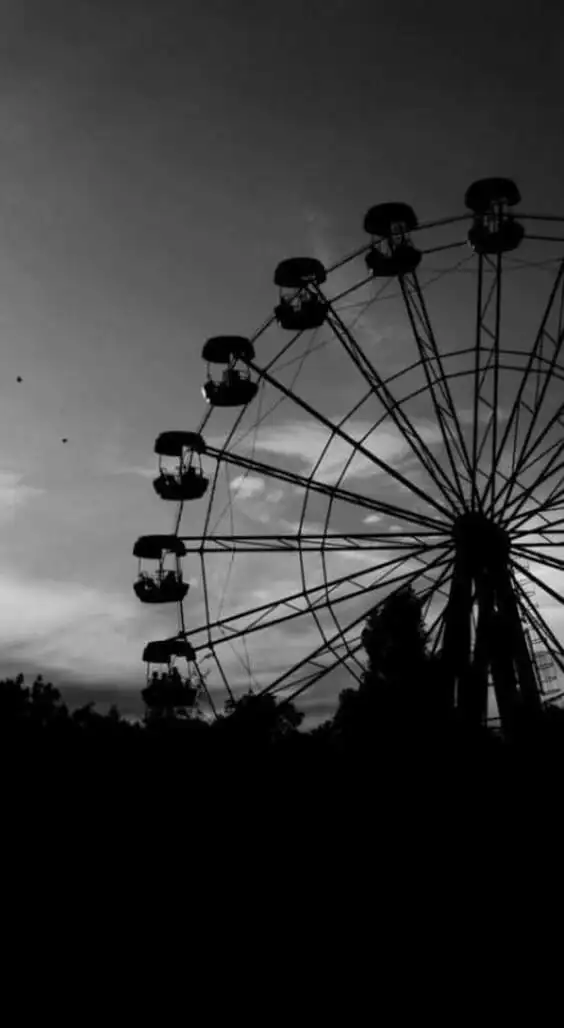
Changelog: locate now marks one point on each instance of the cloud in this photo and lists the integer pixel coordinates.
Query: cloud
(253, 501)
(306, 441)
(67, 627)
(371, 519)
(301, 528)
(274, 496)
(465, 415)
(246, 486)
(13, 493)
(137, 469)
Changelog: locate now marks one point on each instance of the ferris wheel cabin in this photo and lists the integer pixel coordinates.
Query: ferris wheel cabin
(164, 584)
(494, 229)
(392, 253)
(185, 480)
(234, 388)
(164, 651)
(300, 307)
(166, 690)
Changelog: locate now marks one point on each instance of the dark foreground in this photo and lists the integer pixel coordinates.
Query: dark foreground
(359, 774)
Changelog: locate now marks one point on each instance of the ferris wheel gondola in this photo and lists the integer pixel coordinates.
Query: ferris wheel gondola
(234, 388)
(166, 691)
(435, 463)
(163, 583)
(300, 307)
(185, 479)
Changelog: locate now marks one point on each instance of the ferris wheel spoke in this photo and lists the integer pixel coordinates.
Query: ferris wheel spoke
(300, 603)
(554, 451)
(312, 678)
(538, 581)
(256, 619)
(435, 634)
(506, 478)
(514, 508)
(211, 648)
(338, 431)
(396, 413)
(437, 626)
(526, 506)
(552, 342)
(548, 528)
(557, 420)
(309, 543)
(548, 339)
(373, 427)
(485, 300)
(544, 542)
(551, 503)
(529, 553)
(437, 381)
(352, 648)
(545, 472)
(438, 586)
(420, 556)
(401, 581)
(487, 371)
(325, 488)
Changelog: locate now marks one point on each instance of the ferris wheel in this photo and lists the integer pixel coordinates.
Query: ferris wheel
(397, 422)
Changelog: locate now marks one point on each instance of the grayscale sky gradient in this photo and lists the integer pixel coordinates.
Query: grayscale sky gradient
(157, 160)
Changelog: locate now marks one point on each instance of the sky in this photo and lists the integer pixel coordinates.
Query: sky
(157, 161)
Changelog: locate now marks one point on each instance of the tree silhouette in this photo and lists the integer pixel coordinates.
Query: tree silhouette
(401, 689)
(14, 701)
(394, 640)
(46, 705)
(260, 718)
(396, 728)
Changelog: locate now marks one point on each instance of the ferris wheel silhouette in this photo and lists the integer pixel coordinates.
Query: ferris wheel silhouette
(415, 385)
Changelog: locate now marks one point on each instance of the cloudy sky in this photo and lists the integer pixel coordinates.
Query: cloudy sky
(158, 160)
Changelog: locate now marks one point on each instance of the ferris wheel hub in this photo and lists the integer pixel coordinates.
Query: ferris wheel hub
(480, 540)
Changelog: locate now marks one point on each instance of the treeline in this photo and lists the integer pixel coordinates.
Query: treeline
(391, 798)
(393, 733)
